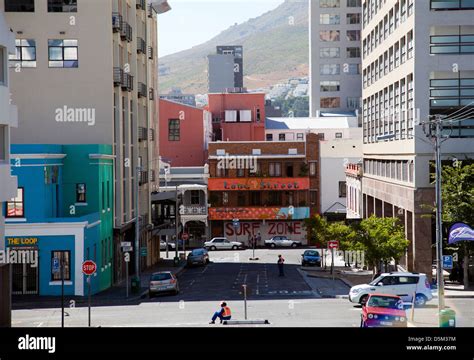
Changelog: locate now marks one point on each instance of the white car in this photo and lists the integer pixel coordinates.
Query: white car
(402, 284)
(221, 243)
(282, 241)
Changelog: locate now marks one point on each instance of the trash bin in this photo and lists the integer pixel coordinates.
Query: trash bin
(176, 261)
(447, 318)
(135, 286)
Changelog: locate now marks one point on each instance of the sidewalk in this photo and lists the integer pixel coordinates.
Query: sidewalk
(116, 295)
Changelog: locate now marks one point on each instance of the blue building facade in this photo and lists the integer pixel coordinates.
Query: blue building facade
(63, 210)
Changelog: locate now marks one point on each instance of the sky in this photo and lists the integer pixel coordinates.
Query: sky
(192, 22)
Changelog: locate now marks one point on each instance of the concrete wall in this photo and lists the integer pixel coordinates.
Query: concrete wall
(220, 72)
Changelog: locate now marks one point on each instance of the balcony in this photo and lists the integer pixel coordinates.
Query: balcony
(259, 213)
(354, 170)
(122, 79)
(452, 44)
(141, 46)
(193, 210)
(142, 91)
(126, 32)
(143, 177)
(142, 134)
(150, 53)
(141, 4)
(451, 93)
(117, 20)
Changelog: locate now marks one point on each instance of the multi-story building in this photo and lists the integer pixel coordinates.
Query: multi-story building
(101, 81)
(410, 74)
(185, 133)
(335, 61)
(237, 116)
(354, 191)
(8, 183)
(225, 69)
(270, 187)
(177, 95)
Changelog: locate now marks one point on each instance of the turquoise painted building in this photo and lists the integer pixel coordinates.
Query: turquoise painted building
(63, 210)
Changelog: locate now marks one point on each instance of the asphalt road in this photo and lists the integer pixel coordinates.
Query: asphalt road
(292, 301)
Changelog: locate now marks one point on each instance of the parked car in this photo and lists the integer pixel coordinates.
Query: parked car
(311, 257)
(198, 257)
(402, 284)
(163, 282)
(171, 246)
(221, 243)
(383, 310)
(282, 241)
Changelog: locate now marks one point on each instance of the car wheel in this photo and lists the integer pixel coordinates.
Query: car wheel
(212, 248)
(272, 245)
(294, 245)
(363, 299)
(235, 247)
(420, 300)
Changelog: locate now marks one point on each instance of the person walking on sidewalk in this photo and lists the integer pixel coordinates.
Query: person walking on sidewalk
(223, 314)
(280, 263)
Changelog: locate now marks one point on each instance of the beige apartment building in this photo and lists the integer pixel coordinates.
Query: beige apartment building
(418, 62)
(99, 56)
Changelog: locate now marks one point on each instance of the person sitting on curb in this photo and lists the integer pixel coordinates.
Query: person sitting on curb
(223, 314)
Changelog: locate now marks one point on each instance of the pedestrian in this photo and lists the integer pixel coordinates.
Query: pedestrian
(223, 314)
(280, 263)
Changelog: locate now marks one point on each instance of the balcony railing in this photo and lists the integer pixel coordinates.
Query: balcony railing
(126, 31)
(150, 11)
(150, 52)
(143, 177)
(151, 94)
(122, 79)
(193, 210)
(452, 44)
(117, 22)
(141, 4)
(141, 46)
(451, 92)
(142, 134)
(142, 92)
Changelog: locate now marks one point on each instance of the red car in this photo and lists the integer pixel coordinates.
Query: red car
(383, 310)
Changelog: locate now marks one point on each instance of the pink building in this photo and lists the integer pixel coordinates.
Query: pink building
(185, 132)
(237, 116)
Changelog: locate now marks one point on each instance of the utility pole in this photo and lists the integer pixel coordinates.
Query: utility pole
(137, 221)
(176, 212)
(439, 214)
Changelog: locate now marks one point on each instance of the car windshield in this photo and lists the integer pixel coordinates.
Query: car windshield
(388, 302)
(161, 277)
(197, 252)
(311, 253)
(376, 281)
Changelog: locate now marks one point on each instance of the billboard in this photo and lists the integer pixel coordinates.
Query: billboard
(292, 229)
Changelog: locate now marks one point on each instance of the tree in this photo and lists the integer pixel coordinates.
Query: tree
(317, 230)
(457, 192)
(382, 240)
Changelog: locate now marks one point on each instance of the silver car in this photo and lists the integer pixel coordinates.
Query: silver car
(163, 282)
(171, 246)
(198, 257)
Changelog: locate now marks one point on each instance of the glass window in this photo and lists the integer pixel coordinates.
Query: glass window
(354, 3)
(329, 3)
(173, 130)
(63, 53)
(353, 102)
(331, 52)
(329, 35)
(16, 206)
(330, 102)
(329, 69)
(312, 169)
(338, 135)
(269, 137)
(274, 169)
(353, 18)
(3, 71)
(329, 19)
(281, 137)
(353, 52)
(353, 35)
(240, 172)
(64, 258)
(62, 5)
(25, 54)
(195, 197)
(329, 86)
(20, 5)
(342, 189)
(81, 193)
(353, 69)
(3, 142)
(300, 136)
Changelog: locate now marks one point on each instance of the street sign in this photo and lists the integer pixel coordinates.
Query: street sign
(447, 262)
(89, 267)
(333, 244)
(185, 236)
(55, 266)
(125, 244)
(127, 248)
(144, 251)
(235, 223)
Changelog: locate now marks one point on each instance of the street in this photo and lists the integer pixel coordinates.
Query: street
(291, 301)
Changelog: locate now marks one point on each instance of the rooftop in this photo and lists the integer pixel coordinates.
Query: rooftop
(294, 123)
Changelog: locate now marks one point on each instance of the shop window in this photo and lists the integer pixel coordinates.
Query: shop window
(64, 258)
(16, 206)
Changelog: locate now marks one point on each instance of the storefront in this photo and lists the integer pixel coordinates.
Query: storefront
(71, 242)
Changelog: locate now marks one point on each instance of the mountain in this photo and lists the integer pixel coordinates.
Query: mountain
(275, 45)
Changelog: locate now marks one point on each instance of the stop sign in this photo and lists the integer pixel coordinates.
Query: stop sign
(89, 267)
(185, 236)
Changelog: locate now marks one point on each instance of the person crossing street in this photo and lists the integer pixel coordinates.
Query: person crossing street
(280, 263)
